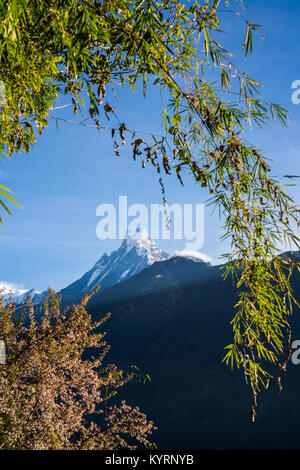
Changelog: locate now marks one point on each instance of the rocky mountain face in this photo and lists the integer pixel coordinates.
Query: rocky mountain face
(137, 252)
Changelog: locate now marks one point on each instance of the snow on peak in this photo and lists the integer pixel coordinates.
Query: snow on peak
(13, 292)
(136, 252)
(138, 235)
(141, 241)
(193, 255)
(7, 288)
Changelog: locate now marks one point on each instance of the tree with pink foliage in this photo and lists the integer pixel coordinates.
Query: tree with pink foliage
(51, 388)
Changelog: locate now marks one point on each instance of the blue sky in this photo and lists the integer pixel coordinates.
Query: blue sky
(52, 241)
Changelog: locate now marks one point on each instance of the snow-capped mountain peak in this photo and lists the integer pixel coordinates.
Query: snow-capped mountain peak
(136, 252)
(141, 241)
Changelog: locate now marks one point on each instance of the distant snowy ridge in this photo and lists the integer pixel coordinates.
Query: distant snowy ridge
(137, 252)
(20, 298)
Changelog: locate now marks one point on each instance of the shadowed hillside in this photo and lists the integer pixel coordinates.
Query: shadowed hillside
(172, 321)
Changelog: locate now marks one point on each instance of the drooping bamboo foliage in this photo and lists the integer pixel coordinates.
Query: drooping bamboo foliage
(90, 46)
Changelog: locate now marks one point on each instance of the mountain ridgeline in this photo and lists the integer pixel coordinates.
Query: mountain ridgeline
(137, 252)
(170, 316)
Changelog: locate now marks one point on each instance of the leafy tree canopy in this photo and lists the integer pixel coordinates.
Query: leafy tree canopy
(52, 390)
(73, 47)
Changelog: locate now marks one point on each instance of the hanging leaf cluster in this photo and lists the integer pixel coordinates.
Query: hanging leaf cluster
(87, 47)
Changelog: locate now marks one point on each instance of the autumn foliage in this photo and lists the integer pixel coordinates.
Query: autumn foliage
(51, 388)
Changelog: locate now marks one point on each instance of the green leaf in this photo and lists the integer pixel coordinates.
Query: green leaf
(176, 119)
(7, 196)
